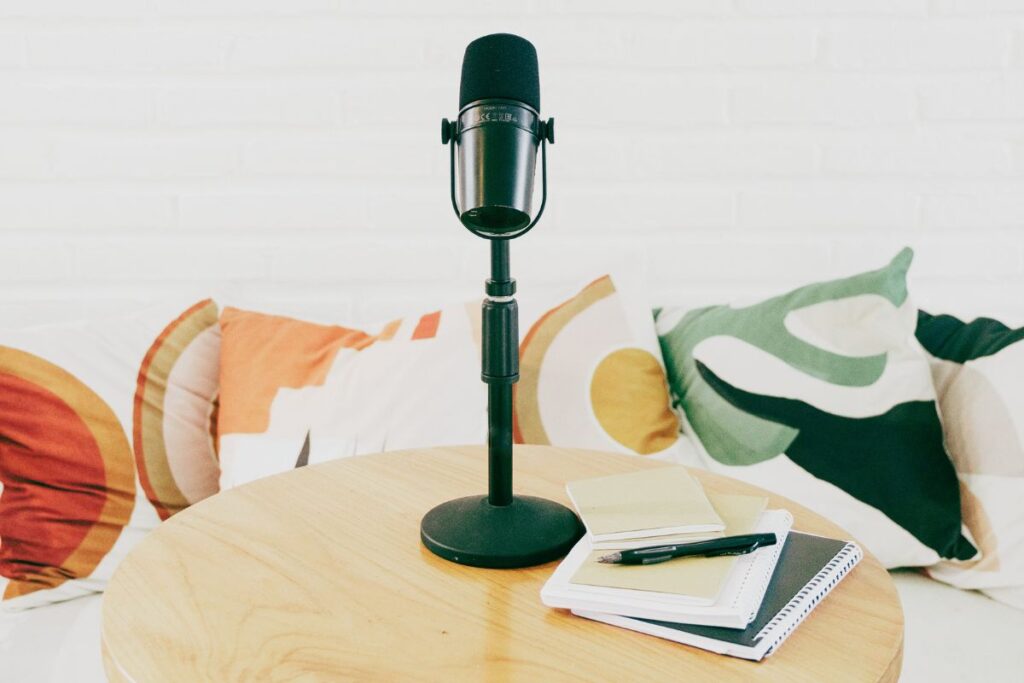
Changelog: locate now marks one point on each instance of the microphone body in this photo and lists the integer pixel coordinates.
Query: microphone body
(496, 136)
(497, 160)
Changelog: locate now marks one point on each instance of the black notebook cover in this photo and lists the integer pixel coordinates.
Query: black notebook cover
(802, 558)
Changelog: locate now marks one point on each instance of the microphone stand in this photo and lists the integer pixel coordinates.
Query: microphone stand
(500, 530)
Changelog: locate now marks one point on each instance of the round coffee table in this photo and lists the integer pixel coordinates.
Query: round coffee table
(319, 574)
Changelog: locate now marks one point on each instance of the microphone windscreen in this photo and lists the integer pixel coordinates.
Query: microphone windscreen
(500, 65)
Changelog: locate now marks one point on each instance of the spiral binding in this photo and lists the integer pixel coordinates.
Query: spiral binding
(797, 609)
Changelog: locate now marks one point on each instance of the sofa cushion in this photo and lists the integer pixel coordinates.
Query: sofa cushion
(53, 644)
(105, 428)
(294, 392)
(822, 395)
(978, 368)
(956, 635)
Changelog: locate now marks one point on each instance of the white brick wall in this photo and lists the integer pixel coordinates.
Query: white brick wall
(286, 154)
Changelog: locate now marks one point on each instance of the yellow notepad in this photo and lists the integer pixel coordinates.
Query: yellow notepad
(699, 577)
(650, 502)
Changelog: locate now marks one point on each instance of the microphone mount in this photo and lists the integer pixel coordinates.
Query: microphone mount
(544, 132)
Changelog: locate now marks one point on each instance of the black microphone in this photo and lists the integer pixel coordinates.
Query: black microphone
(497, 134)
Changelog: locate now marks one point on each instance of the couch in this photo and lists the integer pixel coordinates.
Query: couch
(950, 635)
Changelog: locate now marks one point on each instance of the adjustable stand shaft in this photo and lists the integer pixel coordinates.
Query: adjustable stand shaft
(500, 371)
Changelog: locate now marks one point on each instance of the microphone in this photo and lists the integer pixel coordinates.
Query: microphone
(497, 133)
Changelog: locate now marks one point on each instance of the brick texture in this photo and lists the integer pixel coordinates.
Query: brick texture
(285, 154)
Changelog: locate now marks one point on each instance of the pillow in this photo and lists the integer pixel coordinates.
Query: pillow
(822, 395)
(294, 392)
(978, 368)
(105, 429)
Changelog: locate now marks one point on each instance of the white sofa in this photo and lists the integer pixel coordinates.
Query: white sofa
(951, 635)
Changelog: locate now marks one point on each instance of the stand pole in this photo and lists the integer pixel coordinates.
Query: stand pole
(499, 444)
(500, 370)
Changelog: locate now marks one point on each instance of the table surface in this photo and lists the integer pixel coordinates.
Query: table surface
(318, 574)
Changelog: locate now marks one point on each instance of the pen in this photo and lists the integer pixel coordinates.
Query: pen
(730, 545)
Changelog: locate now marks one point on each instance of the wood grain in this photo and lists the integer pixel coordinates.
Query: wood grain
(319, 575)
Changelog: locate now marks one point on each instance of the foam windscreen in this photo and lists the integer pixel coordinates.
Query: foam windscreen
(500, 65)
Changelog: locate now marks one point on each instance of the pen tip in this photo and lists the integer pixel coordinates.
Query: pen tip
(610, 559)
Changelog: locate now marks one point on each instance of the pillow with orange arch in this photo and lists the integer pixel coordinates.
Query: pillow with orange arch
(105, 430)
(591, 376)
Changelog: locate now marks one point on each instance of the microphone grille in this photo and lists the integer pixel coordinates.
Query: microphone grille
(500, 65)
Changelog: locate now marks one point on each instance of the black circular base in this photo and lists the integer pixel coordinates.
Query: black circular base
(528, 532)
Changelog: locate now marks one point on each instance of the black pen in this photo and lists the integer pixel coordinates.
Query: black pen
(730, 545)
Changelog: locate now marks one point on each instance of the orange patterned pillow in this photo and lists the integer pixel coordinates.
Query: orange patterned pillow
(294, 393)
(105, 429)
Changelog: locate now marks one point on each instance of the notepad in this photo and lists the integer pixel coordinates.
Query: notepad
(809, 567)
(648, 503)
(698, 577)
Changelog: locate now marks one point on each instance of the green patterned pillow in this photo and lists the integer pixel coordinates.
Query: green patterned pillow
(824, 396)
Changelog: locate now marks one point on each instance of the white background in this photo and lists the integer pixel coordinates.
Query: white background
(286, 152)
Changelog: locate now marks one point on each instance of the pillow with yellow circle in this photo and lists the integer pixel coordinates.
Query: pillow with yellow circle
(105, 430)
(295, 393)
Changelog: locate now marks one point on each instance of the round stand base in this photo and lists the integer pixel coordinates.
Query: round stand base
(528, 532)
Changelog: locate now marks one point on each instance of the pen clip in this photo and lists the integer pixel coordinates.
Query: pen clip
(745, 550)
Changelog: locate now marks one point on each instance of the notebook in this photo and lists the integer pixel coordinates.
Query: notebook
(698, 577)
(735, 605)
(809, 567)
(652, 502)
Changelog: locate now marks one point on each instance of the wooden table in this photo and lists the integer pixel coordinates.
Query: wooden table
(319, 575)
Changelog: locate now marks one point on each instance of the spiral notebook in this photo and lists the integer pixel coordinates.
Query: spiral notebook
(809, 567)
